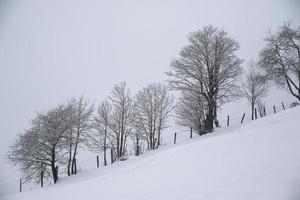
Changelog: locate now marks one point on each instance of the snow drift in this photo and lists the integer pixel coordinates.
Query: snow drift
(260, 160)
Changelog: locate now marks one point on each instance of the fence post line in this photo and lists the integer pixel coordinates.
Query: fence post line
(243, 118)
(282, 105)
(20, 185)
(97, 161)
(255, 113)
(191, 133)
(227, 120)
(175, 134)
(111, 156)
(274, 108)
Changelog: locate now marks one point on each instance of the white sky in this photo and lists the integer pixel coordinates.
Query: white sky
(52, 50)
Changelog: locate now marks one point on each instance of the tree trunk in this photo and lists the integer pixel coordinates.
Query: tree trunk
(215, 116)
(104, 147)
(199, 128)
(252, 111)
(53, 167)
(209, 121)
(158, 134)
(74, 171)
(137, 152)
(69, 161)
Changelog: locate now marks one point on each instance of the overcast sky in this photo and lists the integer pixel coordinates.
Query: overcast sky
(51, 50)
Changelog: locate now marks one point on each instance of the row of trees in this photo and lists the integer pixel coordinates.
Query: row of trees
(207, 73)
(55, 136)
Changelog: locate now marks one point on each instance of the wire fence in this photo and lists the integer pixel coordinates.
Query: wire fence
(20, 185)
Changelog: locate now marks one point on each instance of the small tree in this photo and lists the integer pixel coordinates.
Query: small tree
(81, 124)
(100, 139)
(281, 58)
(152, 108)
(121, 122)
(190, 111)
(255, 87)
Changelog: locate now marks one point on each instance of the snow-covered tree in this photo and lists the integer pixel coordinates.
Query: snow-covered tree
(40, 148)
(208, 66)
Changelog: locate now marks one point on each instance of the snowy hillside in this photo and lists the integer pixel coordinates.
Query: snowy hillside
(260, 160)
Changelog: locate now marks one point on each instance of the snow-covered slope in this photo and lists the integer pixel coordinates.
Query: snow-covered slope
(260, 160)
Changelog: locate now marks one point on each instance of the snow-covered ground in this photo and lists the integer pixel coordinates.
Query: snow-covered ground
(260, 160)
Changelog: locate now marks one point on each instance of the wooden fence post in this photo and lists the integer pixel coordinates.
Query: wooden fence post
(175, 134)
(255, 113)
(243, 118)
(20, 185)
(282, 105)
(111, 156)
(191, 133)
(274, 108)
(227, 120)
(97, 161)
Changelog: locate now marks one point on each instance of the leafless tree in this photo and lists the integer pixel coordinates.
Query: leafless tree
(208, 66)
(255, 87)
(99, 140)
(280, 58)
(152, 107)
(121, 122)
(82, 113)
(40, 147)
(190, 111)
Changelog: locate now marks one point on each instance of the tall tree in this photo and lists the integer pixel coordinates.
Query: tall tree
(280, 58)
(208, 66)
(255, 87)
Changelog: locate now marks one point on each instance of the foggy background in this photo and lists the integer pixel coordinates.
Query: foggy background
(52, 50)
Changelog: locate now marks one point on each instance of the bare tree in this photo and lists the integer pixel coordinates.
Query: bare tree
(81, 125)
(208, 66)
(281, 58)
(152, 108)
(78, 129)
(40, 147)
(99, 140)
(190, 111)
(255, 87)
(121, 122)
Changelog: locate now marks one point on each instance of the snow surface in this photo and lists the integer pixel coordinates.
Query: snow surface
(260, 160)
